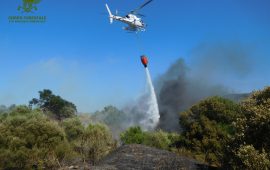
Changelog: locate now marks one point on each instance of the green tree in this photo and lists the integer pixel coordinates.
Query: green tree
(252, 141)
(50, 103)
(207, 127)
(252, 159)
(256, 124)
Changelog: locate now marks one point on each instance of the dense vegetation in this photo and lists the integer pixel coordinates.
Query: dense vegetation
(49, 134)
(33, 139)
(250, 147)
(219, 132)
(207, 128)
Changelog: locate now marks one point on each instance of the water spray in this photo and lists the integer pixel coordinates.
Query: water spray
(152, 111)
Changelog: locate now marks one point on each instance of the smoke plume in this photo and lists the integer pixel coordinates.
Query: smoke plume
(213, 66)
(212, 70)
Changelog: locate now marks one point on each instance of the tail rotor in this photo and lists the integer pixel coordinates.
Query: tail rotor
(110, 14)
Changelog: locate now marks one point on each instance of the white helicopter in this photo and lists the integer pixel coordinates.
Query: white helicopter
(135, 24)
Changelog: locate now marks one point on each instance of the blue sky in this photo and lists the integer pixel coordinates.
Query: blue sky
(80, 56)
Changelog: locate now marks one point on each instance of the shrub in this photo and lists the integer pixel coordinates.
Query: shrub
(73, 128)
(256, 123)
(251, 159)
(29, 139)
(96, 142)
(158, 139)
(133, 135)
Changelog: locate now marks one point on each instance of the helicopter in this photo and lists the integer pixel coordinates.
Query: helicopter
(132, 19)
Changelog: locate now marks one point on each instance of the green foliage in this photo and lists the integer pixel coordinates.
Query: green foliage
(50, 103)
(256, 123)
(20, 110)
(219, 109)
(158, 139)
(207, 127)
(251, 159)
(29, 138)
(221, 132)
(133, 135)
(96, 142)
(216, 130)
(252, 133)
(65, 153)
(73, 128)
(91, 143)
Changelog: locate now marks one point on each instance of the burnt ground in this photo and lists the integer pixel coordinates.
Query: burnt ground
(140, 157)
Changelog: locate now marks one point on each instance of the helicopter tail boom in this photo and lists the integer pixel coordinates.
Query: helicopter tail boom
(110, 14)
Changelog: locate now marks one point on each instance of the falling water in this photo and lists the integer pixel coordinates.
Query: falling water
(152, 110)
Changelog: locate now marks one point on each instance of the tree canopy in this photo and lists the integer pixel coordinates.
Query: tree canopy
(250, 147)
(207, 127)
(56, 106)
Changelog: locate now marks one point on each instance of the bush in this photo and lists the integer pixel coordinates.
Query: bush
(96, 142)
(73, 128)
(251, 159)
(133, 135)
(29, 139)
(158, 139)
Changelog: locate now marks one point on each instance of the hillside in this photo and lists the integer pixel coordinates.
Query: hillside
(135, 157)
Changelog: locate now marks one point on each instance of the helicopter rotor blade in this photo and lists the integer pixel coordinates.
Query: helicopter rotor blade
(143, 5)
